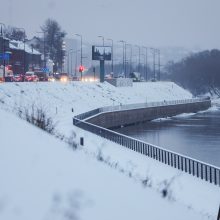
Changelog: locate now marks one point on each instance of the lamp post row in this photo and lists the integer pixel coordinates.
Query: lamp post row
(154, 52)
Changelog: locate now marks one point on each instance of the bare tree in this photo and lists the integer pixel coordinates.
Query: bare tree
(54, 38)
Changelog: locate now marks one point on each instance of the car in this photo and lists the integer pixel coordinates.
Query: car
(51, 79)
(30, 77)
(18, 78)
(63, 77)
(42, 76)
(75, 78)
(8, 78)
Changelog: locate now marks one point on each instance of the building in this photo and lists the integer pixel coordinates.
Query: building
(23, 57)
(4, 49)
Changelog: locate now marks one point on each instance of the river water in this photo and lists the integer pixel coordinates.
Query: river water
(194, 135)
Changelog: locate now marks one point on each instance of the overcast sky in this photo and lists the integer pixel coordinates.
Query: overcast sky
(187, 23)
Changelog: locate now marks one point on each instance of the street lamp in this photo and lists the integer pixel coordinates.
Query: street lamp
(145, 62)
(112, 54)
(103, 40)
(126, 58)
(154, 52)
(139, 57)
(76, 51)
(68, 62)
(123, 42)
(63, 57)
(158, 53)
(3, 48)
(80, 51)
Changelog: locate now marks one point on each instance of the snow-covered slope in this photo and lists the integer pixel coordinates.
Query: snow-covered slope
(58, 99)
(41, 178)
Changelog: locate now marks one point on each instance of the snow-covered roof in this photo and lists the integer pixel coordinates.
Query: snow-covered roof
(19, 45)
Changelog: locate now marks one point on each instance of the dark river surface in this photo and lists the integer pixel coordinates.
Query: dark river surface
(194, 135)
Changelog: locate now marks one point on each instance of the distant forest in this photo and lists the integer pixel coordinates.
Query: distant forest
(199, 72)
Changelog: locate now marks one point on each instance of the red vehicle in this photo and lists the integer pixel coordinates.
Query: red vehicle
(30, 77)
(18, 78)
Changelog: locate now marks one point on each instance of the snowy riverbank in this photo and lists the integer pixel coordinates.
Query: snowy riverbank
(65, 172)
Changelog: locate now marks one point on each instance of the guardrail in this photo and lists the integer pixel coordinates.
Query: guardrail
(137, 106)
(192, 166)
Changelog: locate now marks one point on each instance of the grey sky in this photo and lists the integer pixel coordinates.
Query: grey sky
(186, 23)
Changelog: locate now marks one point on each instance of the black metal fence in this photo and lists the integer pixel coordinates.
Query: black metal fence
(189, 165)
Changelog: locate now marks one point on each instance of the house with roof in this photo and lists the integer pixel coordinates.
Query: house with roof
(23, 57)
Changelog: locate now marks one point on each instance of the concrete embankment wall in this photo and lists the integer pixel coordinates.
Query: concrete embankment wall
(132, 116)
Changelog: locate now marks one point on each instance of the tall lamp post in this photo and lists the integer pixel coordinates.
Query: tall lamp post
(68, 60)
(75, 52)
(112, 54)
(103, 40)
(145, 62)
(126, 57)
(158, 53)
(3, 48)
(139, 57)
(123, 42)
(154, 52)
(79, 35)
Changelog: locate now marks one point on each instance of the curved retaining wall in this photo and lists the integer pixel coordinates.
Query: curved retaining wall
(191, 166)
(131, 116)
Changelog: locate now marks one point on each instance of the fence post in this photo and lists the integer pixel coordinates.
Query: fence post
(218, 218)
(197, 167)
(81, 141)
(206, 173)
(215, 175)
(185, 164)
(193, 164)
(189, 166)
(175, 160)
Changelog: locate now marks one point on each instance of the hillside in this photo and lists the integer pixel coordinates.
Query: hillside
(33, 162)
(41, 178)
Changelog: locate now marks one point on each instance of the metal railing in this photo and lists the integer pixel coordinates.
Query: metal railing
(150, 104)
(138, 106)
(184, 163)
